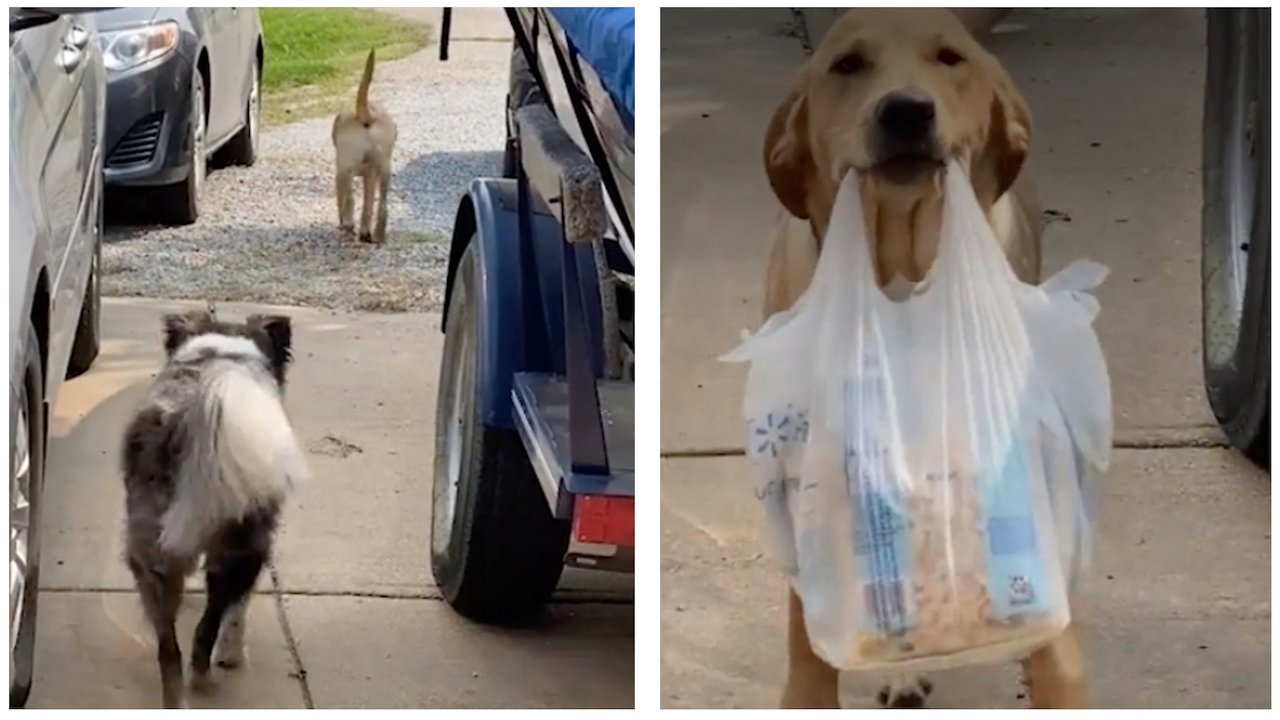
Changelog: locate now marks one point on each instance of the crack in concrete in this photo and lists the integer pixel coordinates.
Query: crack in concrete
(708, 453)
(568, 599)
(300, 672)
(1171, 444)
(562, 600)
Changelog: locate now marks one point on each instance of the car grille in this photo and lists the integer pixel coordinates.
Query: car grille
(139, 144)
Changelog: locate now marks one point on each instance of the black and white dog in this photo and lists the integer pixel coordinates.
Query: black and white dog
(208, 461)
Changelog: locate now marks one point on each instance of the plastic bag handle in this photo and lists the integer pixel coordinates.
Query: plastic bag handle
(846, 248)
(967, 245)
(1080, 280)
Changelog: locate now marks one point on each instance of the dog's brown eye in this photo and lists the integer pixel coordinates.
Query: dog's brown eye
(949, 57)
(849, 64)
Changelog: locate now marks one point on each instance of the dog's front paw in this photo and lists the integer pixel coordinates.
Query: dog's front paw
(366, 237)
(908, 694)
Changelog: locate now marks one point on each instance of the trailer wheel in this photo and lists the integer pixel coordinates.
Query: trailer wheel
(1236, 227)
(496, 550)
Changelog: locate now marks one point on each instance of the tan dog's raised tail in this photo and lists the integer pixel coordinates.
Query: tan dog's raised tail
(891, 94)
(363, 141)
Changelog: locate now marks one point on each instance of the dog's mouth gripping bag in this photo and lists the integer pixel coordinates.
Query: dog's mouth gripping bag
(924, 462)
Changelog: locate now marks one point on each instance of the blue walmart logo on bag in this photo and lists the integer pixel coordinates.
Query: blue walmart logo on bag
(770, 434)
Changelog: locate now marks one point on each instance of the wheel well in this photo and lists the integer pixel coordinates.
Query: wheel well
(202, 66)
(464, 227)
(40, 318)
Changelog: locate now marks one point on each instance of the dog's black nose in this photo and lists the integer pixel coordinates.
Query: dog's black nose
(906, 116)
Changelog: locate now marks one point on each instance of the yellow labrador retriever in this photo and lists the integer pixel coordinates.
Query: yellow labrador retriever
(890, 94)
(363, 141)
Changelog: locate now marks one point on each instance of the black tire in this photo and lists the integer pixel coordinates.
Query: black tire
(501, 555)
(89, 330)
(242, 149)
(1236, 227)
(32, 397)
(522, 89)
(182, 200)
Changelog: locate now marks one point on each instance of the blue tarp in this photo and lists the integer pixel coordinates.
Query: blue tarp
(606, 39)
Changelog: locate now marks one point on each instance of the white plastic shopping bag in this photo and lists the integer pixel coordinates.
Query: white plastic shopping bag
(923, 463)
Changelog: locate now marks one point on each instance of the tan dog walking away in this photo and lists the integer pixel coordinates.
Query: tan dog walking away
(363, 140)
(891, 94)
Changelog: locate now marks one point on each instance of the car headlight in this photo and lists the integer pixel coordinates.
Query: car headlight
(124, 49)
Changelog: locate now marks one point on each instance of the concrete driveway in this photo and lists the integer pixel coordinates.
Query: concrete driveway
(1177, 612)
(349, 616)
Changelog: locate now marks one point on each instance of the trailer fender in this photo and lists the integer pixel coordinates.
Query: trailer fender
(507, 344)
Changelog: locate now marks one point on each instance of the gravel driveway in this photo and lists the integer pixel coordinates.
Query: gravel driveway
(269, 233)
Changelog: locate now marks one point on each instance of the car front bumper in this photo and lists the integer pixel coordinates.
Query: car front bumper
(148, 123)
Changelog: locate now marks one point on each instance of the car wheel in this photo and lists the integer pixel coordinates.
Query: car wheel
(243, 148)
(1236, 227)
(26, 480)
(496, 550)
(184, 198)
(89, 331)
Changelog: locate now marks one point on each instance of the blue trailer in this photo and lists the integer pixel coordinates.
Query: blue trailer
(534, 453)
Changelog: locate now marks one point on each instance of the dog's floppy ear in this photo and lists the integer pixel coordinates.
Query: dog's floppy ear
(1008, 137)
(180, 327)
(277, 330)
(788, 159)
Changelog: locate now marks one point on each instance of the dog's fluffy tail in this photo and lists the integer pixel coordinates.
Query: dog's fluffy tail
(362, 95)
(256, 449)
(244, 457)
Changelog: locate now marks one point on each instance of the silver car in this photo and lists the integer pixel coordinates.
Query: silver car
(182, 90)
(56, 120)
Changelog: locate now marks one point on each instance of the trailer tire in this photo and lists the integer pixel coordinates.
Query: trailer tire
(1236, 227)
(496, 550)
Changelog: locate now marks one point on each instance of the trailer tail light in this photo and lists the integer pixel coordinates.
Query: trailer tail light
(604, 520)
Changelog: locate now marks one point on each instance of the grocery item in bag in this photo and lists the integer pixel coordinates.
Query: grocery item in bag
(922, 460)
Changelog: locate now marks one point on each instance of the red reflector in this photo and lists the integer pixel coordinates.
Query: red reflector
(604, 520)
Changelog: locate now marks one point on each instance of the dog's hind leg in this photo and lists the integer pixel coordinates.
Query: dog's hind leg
(346, 199)
(366, 212)
(384, 187)
(160, 585)
(229, 651)
(232, 567)
(229, 584)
